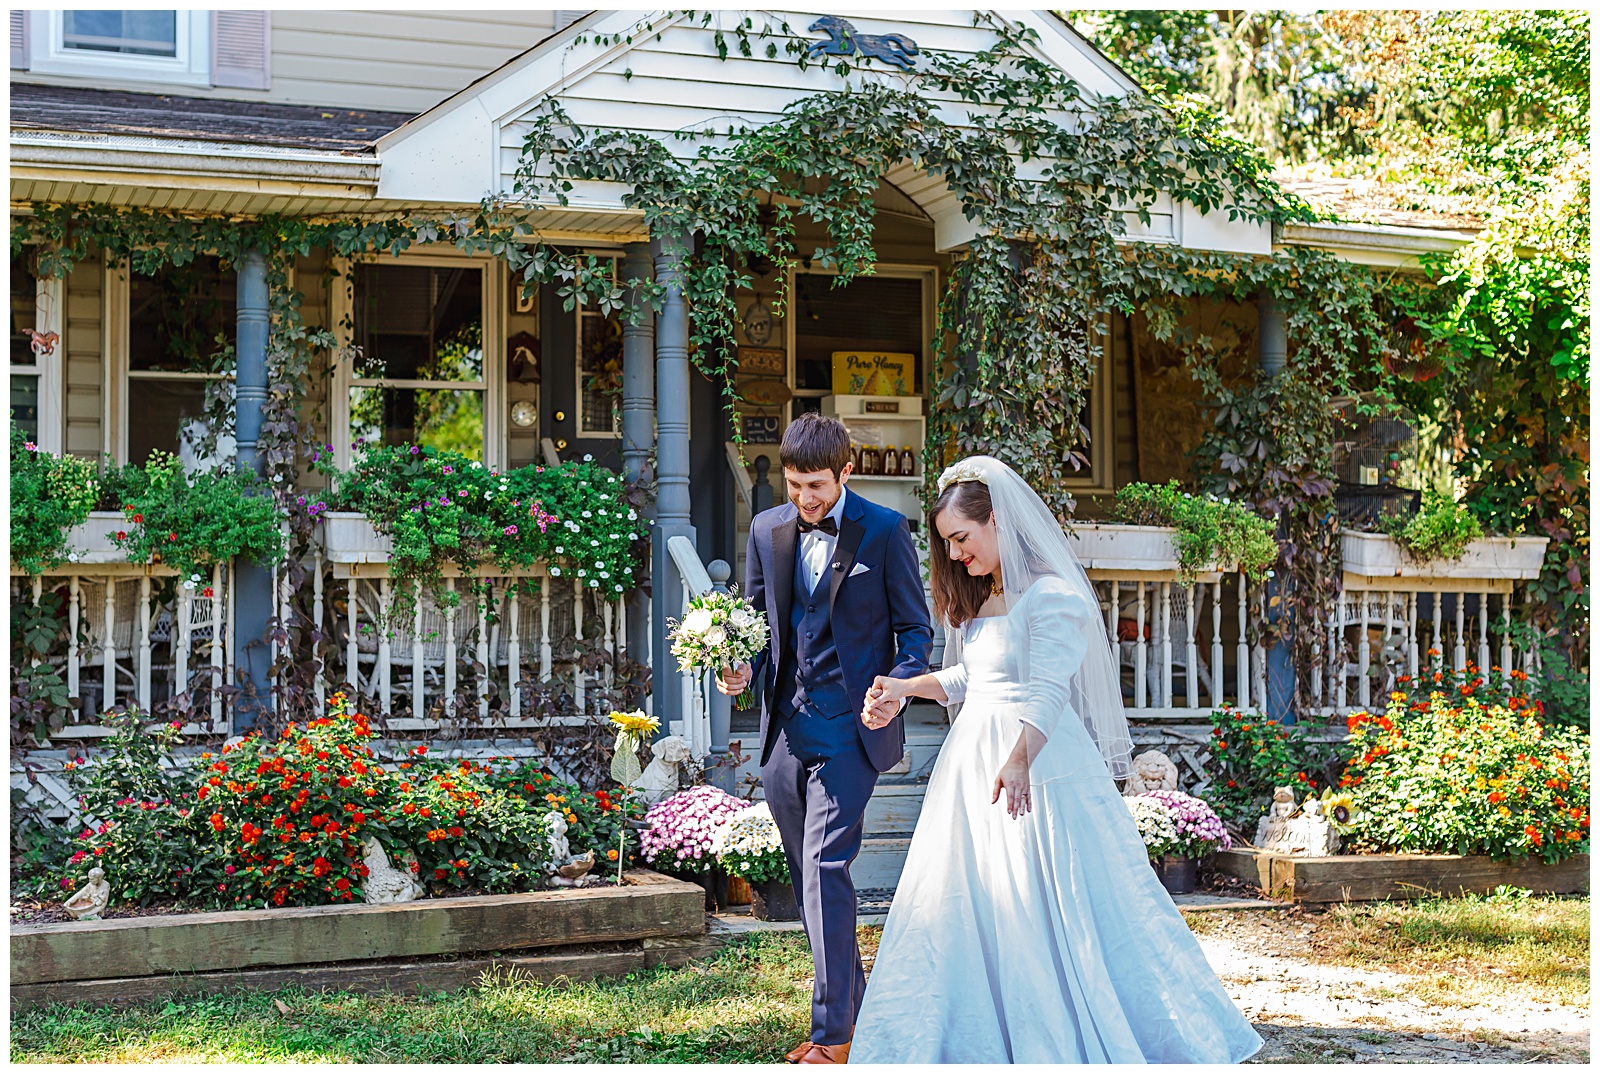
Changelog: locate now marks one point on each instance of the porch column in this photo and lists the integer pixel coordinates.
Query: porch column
(1272, 356)
(672, 470)
(638, 417)
(253, 604)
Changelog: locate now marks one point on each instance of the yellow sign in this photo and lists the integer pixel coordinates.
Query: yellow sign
(873, 373)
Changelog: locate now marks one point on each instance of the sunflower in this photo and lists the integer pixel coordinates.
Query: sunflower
(635, 722)
(1340, 809)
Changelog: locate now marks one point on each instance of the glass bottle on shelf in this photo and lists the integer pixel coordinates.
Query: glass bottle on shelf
(891, 462)
(871, 461)
(908, 462)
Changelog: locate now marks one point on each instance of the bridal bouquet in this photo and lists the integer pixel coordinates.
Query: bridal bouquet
(749, 846)
(721, 630)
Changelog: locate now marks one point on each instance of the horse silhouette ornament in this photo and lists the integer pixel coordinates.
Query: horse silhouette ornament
(897, 50)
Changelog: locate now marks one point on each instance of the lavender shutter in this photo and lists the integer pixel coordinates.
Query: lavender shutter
(19, 40)
(241, 49)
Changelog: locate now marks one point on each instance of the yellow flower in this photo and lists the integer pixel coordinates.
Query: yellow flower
(1340, 809)
(636, 722)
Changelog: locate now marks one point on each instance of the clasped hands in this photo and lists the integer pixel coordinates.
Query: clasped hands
(883, 702)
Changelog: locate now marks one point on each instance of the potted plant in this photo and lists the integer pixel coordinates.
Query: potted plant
(748, 846)
(682, 835)
(1178, 830)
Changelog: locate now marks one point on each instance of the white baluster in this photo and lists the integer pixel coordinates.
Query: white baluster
(1191, 678)
(38, 595)
(1364, 652)
(450, 647)
(1343, 691)
(74, 649)
(577, 633)
(1483, 634)
(611, 645)
(1259, 656)
(109, 645)
(216, 646)
(544, 629)
(1216, 643)
(385, 649)
(1436, 661)
(483, 649)
(419, 664)
(1114, 617)
(142, 614)
(622, 625)
(1505, 638)
(1140, 653)
(1242, 655)
(1461, 632)
(1413, 650)
(514, 648)
(352, 654)
(182, 612)
(1166, 645)
(229, 638)
(1390, 626)
(316, 621)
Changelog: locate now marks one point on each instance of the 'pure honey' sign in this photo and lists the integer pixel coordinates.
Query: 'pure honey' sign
(873, 373)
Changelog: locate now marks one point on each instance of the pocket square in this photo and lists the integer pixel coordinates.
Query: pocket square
(859, 568)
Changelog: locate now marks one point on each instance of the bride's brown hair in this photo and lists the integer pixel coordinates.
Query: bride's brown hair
(957, 595)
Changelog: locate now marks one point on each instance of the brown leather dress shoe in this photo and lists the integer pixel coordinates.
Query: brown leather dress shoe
(798, 1052)
(827, 1053)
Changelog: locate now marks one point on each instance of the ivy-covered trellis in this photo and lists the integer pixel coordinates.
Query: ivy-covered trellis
(1045, 169)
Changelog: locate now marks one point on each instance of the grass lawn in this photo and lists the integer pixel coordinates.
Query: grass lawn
(1461, 948)
(750, 1004)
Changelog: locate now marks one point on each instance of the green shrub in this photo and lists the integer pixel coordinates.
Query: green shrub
(49, 495)
(1441, 530)
(1210, 531)
(191, 521)
(1251, 755)
(1448, 776)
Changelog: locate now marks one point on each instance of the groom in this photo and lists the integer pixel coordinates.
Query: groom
(838, 578)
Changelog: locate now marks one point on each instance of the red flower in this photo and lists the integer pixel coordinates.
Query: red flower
(342, 884)
(138, 520)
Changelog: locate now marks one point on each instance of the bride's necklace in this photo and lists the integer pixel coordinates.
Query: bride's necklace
(995, 588)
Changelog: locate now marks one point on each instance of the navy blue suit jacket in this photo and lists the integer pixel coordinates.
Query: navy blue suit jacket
(879, 617)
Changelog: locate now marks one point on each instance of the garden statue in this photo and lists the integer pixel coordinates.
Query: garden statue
(1152, 771)
(1271, 828)
(88, 904)
(1285, 831)
(661, 776)
(569, 871)
(384, 883)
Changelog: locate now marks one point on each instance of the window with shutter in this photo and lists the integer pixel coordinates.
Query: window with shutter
(241, 49)
(19, 40)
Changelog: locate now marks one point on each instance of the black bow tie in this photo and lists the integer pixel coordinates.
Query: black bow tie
(827, 525)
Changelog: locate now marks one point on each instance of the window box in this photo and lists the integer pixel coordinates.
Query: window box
(1377, 555)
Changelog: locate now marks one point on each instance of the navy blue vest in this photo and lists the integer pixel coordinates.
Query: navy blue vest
(810, 678)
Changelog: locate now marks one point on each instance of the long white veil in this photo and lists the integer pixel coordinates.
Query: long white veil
(1032, 547)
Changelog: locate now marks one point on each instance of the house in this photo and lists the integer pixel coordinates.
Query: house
(366, 115)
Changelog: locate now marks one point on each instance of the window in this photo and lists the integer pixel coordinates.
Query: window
(182, 325)
(418, 373)
(599, 369)
(876, 313)
(144, 46)
(35, 354)
(137, 33)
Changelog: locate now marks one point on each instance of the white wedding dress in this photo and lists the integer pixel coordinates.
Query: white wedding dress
(1045, 938)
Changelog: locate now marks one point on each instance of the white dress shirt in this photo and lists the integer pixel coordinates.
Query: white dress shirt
(816, 547)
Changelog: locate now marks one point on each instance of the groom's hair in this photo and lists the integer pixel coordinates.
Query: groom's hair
(813, 442)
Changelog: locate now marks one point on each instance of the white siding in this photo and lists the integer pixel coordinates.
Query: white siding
(391, 61)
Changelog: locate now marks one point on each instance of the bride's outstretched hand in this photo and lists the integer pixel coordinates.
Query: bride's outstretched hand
(1013, 780)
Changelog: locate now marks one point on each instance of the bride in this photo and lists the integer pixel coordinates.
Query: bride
(1033, 930)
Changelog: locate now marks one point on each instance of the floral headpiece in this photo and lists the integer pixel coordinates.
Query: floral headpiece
(965, 470)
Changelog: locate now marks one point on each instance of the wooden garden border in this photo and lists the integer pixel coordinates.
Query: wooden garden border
(92, 960)
(1369, 877)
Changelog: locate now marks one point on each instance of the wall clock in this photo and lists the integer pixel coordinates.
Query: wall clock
(524, 413)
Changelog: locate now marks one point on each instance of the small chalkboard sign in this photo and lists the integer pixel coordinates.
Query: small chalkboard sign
(761, 428)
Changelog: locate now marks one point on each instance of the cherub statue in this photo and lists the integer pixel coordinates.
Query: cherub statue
(560, 849)
(569, 871)
(90, 902)
(1152, 771)
(661, 776)
(1271, 828)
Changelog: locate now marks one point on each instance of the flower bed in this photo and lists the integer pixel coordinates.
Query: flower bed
(282, 823)
(1251, 756)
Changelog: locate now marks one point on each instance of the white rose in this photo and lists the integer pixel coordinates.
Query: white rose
(716, 636)
(697, 622)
